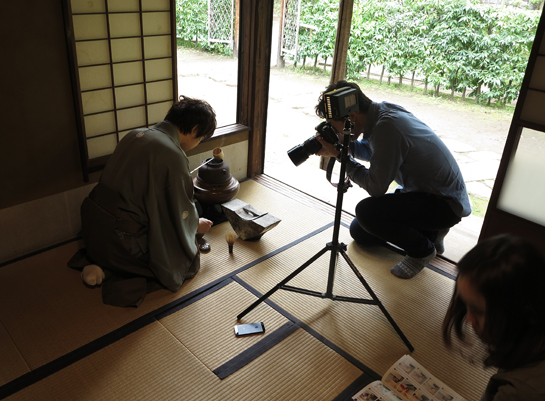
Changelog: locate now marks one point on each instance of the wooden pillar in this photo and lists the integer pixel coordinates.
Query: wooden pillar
(279, 57)
(256, 21)
(338, 69)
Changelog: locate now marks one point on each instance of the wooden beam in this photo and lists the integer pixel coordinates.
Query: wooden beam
(256, 21)
(338, 69)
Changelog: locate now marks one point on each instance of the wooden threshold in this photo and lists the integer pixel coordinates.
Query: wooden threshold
(440, 263)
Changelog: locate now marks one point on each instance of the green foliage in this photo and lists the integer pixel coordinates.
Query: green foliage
(192, 26)
(461, 45)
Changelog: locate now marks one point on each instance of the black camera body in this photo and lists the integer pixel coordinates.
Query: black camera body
(300, 153)
(338, 103)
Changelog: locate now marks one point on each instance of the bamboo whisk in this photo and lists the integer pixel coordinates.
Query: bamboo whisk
(230, 238)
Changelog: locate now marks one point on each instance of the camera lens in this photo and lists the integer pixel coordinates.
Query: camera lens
(298, 155)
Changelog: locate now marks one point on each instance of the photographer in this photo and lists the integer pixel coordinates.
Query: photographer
(432, 196)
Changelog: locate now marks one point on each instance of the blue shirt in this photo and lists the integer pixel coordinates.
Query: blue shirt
(400, 147)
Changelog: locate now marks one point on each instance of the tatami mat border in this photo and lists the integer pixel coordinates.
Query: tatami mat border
(255, 351)
(311, 331)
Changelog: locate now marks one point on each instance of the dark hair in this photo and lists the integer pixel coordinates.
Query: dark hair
(188, 113)
(509, 272)
(363, 101)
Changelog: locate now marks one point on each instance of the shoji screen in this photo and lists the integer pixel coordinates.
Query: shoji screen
(123, 56)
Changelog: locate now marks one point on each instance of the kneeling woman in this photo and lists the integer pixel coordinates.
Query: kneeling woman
(500, 293)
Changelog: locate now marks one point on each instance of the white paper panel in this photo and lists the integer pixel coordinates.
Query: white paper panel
(532, 110)
(123, 5)
(523, 190)
(157, 46)
(128, 96)
(99, 124)
(88, 6)
(156, 23)
(126, 49)
(90, 27)
(128, 73)
(123, 25)
(101, 146)
(95, 77)
(131, 118)
(157, 112)
(97, 101)
(159, 91)
(538, 75)
(155, 5)
(93, 52)
(158, 69)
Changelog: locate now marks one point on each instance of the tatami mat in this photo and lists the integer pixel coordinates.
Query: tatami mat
(78, 348)
(151, 364)
(68, 315)
(206, 327)
(417, 306)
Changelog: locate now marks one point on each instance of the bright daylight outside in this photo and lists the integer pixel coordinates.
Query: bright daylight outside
(457, 65)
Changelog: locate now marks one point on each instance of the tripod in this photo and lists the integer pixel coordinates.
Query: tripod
(335, 247)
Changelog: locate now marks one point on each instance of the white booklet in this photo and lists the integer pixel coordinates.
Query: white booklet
(407, 380)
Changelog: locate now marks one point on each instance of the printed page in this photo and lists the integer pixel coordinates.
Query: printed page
(411, 382)
(375, 391)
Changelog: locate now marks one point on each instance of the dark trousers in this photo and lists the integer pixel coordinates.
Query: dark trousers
(408, 220)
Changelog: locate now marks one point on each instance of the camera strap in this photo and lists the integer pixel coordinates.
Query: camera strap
(329, 171)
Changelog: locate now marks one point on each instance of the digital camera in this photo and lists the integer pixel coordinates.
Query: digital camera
(298, 154)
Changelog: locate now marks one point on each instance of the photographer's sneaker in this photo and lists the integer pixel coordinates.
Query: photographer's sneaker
(410, 267)
(439, 242)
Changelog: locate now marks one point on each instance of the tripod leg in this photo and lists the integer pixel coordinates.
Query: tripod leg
(280, 284)
(377, 301)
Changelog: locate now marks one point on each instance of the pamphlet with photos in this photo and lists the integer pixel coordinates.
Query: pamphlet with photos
(407, 380)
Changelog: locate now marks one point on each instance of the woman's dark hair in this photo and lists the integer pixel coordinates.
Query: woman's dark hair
(363, 101)
(509, 272)
(188, 113)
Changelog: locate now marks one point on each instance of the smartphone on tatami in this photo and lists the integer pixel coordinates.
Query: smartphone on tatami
(250, 328)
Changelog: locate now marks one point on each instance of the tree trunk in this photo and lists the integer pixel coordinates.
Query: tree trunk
(425, 85)
(400, 80)
(412, 81)
(389, 79)
(464, 94)
(369, 71)
(437, 89)
(315, 61)
(382, 75)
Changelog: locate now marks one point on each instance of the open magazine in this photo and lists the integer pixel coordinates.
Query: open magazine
(407, 380)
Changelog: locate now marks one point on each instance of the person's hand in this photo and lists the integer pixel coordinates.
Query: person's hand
(204, 226)
(328, 149)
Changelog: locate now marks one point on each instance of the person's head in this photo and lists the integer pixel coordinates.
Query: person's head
(193, 118)
(358, 118)
(500, 292)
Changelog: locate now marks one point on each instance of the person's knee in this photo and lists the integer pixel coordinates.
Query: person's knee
(368, 213)
(361, 236)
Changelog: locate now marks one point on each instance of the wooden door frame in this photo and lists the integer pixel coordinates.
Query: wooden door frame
(498, 221)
